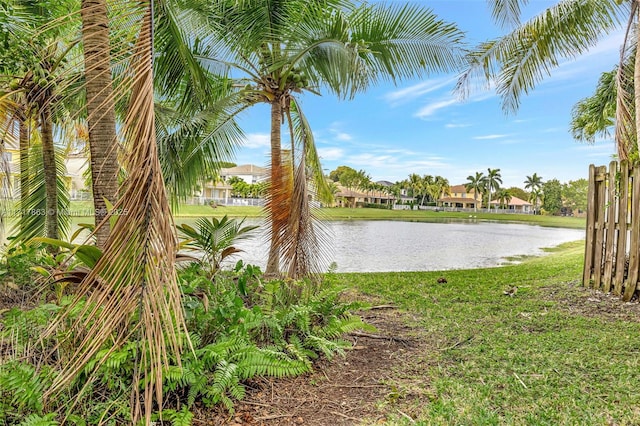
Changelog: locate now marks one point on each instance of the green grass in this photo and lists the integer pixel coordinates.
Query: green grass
(547, 356)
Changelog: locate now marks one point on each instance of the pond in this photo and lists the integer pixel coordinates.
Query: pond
(386, 246)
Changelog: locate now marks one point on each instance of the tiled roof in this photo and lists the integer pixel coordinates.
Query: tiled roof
(244, 169)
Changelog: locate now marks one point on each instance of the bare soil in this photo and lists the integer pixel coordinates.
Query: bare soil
(355, 389)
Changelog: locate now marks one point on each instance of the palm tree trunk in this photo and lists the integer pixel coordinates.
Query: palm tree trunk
(275, 208)
(50, 178)
(24, 165)
(103, 146)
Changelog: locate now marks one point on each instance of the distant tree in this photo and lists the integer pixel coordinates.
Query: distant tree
(503, 196)
(475, 184)
(426, 184)
(492, 181)
(414, 184)
(519, 193)
(552, 196)
(534, 184)
(439, 188)
(334, 175)
(574, 194)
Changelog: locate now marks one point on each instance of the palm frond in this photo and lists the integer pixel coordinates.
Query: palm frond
(518, 61)
(33, 207)
(140, 296)
(507, 12)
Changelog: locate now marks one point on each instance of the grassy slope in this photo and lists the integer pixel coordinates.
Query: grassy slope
(82, 208)
(528, 359)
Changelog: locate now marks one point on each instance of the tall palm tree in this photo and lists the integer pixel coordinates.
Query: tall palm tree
(279, 49)
(492, 181)
(475, 184)
(101, 114)
(138, 293)
(519, 60)
(534, 184)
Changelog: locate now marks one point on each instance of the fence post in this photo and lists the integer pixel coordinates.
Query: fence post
(589, 236)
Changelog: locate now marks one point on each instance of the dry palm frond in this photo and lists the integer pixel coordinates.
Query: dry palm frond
(299, 238)
(140, 295)
(625, 134)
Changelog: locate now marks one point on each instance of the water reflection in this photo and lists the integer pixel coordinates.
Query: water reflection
(379, 246)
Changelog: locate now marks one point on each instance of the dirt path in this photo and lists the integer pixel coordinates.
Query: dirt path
(346, 391)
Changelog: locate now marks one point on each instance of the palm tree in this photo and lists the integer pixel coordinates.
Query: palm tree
(278, 49)
(101, 114)
(138, 287)
(439, 188)
(492, 181)
(504, 197)
(30, 89)
(414, 185)
(426, 186)
(534, 184)
(519, 60)
(475, 184)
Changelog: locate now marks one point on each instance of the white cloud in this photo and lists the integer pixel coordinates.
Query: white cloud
(487, 137)
(456, 125)
(257, 140)
(432, 108)
(342, 136)
(410, 93)
(330, 154)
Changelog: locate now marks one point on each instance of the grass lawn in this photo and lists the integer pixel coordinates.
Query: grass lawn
(553, 354)
(80, 208)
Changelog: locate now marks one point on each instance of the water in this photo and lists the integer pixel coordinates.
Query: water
(381, 246)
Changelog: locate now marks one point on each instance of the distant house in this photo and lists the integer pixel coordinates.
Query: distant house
(221, 190)
(516, 205)
(345, 197)
(458, 197)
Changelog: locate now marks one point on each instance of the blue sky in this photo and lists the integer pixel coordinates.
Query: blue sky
(421, 127)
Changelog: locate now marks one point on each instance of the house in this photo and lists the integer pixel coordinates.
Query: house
(346, 197)
(458, 197)
(515, 205)
(220, 190)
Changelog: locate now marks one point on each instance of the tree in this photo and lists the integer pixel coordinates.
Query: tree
(31, 84)
(503, 196)
(279, 49)
(574, 194)
(534, 184)
(476, 185)
(552, 196)
(137, 292)
(595, 115)
(334, 175)
(101, 114)
(518, 61)
(492, 182)
(519, 193)
(414, 185)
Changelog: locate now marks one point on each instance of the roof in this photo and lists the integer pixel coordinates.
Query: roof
(466, 200)
(515, 201)
(244, 169)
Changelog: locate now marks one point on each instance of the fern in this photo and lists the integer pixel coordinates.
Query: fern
(25, 384)
(38, 420)
(253, 361)
(183, 417)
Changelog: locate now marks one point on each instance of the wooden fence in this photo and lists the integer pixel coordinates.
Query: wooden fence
(612, 243)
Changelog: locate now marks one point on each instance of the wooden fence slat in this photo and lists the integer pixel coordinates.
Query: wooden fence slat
(621, 247)
(587, 273)
(601, 191)
(611, 207)
(634, 258)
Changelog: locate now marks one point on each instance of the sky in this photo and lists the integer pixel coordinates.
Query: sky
(421, 126)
